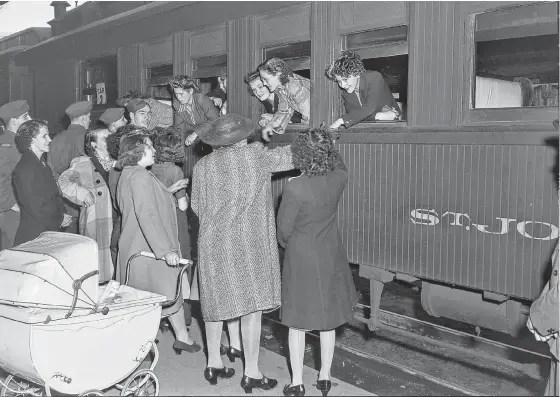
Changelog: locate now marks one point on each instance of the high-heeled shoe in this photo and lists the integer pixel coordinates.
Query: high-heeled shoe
(264, 383)
(179, 346)
(234, 353)
(211, 374)
(324, 386)
(297, 390)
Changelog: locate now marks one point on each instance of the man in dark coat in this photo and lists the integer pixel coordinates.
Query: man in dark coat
(13, 114)
(113, 118)
(67, 145)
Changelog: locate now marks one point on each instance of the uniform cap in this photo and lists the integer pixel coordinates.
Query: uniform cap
(136, 104)
(111, 115)
(78, 109)
(13, 109)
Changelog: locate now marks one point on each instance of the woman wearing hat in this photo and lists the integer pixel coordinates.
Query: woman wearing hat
(149, 223)
(40, 202)
(315, 269)
(239, 272)
(366, 94)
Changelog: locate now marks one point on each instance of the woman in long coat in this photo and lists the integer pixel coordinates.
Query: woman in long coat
(149, 223)
(318, 292)
(239, 271)
(36, 191)
(85, 184)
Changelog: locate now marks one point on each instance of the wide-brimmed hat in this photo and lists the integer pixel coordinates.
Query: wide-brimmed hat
(226, 130)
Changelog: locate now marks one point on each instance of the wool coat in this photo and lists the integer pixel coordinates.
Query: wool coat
(239, 270)
(315, 269)
(149, 223)
(9, 219)
(96, 221)
(40, 201)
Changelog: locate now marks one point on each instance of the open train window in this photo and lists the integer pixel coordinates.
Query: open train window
(100, 82)
(208, 69)
(296, 55)
(385, 51)
(157, 78)
(516, 57)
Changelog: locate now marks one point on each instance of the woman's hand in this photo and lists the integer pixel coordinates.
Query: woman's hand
(180, 184)
(217, 102)
(190, 139)
(538, 336)
(89, 200)
(66, 220)
(172, 259)
(337, 124)
(265, 119)
(387, 114)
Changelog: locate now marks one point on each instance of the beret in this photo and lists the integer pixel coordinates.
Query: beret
(136, 104)
(78, 109)
(111, 115)
(13, 109)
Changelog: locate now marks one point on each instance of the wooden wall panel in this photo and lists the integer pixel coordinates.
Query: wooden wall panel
(208, 42)
(286, 25)
(181, 50)
(129, 66)
(356, 15)
(158, 51)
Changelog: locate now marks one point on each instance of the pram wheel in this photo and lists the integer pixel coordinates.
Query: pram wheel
(13, 386)
(141, 383)
(92, 393)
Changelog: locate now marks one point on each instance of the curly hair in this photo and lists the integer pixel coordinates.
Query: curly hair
(184, 82)
(277, 67)
(169, 146)
(132, 94)
(347, 64)
(91, 137)
(27, 132)
(251, 76)
(114, 140)
(131, 150)
(313, 152)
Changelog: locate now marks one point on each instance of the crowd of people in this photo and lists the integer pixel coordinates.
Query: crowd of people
(123, 186)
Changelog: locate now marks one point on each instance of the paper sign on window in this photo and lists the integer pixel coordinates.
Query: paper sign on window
(101, 94)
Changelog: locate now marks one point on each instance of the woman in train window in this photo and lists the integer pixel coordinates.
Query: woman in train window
(191, 107)
(315, 269)
(294, 95)
(366, 94)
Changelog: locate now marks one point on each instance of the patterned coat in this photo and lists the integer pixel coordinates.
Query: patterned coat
(96, 221)
(294, 96)
(239, 270)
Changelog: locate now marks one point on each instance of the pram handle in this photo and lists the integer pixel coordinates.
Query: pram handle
(182, 261)
(77, 286)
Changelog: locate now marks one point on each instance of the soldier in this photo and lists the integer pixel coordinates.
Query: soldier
(13, 114)
(139, 112)
(113, 118)
(66, 146)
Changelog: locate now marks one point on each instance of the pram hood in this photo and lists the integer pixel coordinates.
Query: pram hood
(41, 272)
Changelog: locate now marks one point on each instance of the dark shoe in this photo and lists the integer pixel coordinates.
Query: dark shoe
(179, 346)
(212, 374)
(324, 386)
(297, 390)
(234, 353)
(264, 383)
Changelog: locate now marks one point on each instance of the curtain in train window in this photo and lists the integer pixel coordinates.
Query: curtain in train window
(516, 57)
(385, 51)
(157, 78)
(100, 82)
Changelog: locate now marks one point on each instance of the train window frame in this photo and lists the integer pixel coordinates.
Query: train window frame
(467, 113)
(379, 50)
(211, 71)
(158, 81)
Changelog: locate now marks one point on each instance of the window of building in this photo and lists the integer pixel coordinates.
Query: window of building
(157, 78)
(385, 51)
(516, 57)
(207, 70)
(100, 82)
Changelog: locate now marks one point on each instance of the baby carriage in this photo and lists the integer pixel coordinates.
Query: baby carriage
(60, 331)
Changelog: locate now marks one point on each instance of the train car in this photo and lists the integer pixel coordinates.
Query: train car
(459, 194)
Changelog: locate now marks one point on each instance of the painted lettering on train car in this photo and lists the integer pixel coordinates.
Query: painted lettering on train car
(537, 230)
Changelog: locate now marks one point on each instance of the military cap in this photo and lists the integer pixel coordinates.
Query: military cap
(135, 105)
(78, 109)
(13, 109)
(111, 115)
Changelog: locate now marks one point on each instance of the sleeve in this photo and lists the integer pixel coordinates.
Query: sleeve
(211, 112)
(282, 117)
(69, 183)
(195, 191)
(374, 99)
(544, 310)
(30, 191)
(7, 198)
(149, 218)
(177, 177)
(278, 159)
(287, 213)
(339, 163)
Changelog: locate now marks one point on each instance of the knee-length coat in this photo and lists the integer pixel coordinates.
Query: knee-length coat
(239, 270)
(96, 221)
(149, 223)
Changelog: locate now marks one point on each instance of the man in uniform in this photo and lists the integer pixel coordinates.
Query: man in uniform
(139, 112)
(13, 114)
(113, 118)
(66, 146)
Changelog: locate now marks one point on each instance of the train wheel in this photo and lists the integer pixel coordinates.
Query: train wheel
(92, 393)
(13, 386)
(141, 383)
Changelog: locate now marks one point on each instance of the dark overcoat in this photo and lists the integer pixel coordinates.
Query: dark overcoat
(40, 201)
(9, 219)
(318, 291)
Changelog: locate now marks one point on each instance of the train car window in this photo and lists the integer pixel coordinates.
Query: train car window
(385, 51)
(208, 69)
(157, 78)
(296, 55)
(100, 82)
(516, 57)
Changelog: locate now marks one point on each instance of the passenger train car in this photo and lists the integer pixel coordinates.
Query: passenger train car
(459, 194)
